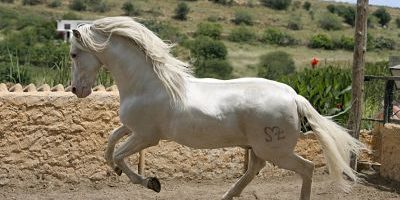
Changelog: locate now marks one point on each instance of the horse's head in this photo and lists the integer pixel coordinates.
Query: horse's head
(85, 66)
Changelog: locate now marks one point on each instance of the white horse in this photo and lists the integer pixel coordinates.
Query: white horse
(160, 100)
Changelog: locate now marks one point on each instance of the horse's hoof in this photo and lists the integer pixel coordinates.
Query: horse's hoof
(154, 184)
(118, 171)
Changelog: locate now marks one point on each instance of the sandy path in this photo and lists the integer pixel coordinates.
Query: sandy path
(276, 188)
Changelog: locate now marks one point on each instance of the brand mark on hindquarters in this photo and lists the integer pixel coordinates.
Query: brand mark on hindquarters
(273, 132)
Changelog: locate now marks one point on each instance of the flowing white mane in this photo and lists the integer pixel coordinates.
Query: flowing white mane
(171, 71)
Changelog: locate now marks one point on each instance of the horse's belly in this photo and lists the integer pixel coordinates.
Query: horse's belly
(205, 137)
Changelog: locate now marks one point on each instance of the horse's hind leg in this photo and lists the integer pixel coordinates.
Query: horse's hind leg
(133, 145)
(116, 135)
(255, 165)
(301, 166)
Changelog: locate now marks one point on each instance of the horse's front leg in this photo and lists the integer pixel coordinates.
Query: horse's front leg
(116, 135)
(133, 145)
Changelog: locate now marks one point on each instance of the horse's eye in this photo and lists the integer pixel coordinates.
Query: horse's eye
(73, 55)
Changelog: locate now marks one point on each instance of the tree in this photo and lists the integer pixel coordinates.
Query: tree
(181, 11)
(383, 16)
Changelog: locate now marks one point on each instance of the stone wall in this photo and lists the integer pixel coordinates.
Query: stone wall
(54, 137)
(390, 151)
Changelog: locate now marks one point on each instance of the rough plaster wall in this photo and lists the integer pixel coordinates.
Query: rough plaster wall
(56, 138)
(390, 159)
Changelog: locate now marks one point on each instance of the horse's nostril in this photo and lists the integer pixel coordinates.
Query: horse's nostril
(73, 90)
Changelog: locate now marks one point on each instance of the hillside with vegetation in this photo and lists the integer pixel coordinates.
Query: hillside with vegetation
(225, 39)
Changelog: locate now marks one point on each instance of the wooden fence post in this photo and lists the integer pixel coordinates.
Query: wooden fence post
(360, 48)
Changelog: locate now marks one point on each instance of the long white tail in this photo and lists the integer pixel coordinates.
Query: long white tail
(336, 143)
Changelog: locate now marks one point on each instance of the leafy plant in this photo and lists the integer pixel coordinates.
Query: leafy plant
(181, 11)
(383, 16)
(131, 9)
(211, 30)
(277, 4)
(32, 2)
(321, 41)
(78, 5)
(327, 89)
(54, 4)
(243, 17)
(398, 22)
(275, 65)
(242, 34)
(206, 48)
(344, 42)
(213, 68)
(329, 22)
(278, 37)
(307, 5)
(295, 23)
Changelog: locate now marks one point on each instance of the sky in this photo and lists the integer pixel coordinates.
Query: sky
(390, 3)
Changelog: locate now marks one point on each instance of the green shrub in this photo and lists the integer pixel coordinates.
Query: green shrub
(181, 11)
(102, 6)
(306, 5)
(277, 4)
(278, 37)
(212, 18)
(322, 41)
(78, 5)
(54, 4)
(213, 68)
(243, 17)
(398, 22)
(165, 30)
(383, 16)
(7, 1)
(206, 48)
(131, 9)
(242, 34)
(223, 2)
(372, 21)
(275, 65)
(347, 12)
(344, 42)
(331, 8)
(330, 21)
(211, 30)
(32, 2)
(70, 16)
(384, 43)
(296, 5)
(295, 23)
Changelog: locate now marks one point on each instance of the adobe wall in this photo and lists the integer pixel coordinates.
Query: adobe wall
(390, 151)
(56, 138)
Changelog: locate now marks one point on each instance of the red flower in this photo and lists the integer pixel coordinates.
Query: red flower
(314, 62)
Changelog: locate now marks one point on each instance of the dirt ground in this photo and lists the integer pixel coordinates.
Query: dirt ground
(274, 188)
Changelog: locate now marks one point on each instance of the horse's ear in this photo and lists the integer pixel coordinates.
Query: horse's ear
(76, 34)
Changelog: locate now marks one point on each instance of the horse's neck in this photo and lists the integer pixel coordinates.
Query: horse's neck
(131, 70)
